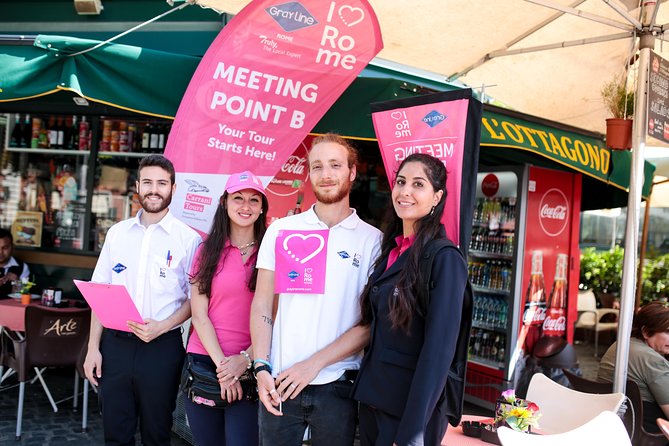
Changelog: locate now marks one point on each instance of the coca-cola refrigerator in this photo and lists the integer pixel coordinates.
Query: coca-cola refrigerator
(525, 219)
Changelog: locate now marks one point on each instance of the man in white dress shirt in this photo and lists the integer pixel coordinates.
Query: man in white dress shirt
(138, 370)
(11, 269)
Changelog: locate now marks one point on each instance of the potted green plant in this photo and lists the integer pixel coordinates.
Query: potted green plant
(601, 271)
(656, 280)
(620, 103)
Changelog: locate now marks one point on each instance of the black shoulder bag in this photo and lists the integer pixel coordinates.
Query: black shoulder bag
(200, 384)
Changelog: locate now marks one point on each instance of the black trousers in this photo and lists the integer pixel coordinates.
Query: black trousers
(378, 428)
(139, 380)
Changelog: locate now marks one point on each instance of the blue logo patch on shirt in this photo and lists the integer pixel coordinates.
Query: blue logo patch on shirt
(293, 275)
(434, 118)
(119, 268)
(343, 254)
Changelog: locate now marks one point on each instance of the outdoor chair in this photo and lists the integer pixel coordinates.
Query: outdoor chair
(564, 409)
(53, 337)
(605, 429)
(664, 426)
(633, 417)
(591, 318)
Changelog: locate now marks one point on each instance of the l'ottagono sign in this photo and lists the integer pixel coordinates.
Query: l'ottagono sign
(264, 83)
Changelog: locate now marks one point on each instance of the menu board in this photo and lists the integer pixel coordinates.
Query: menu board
(658, 98)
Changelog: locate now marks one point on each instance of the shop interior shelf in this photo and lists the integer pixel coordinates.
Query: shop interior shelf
(477, 324)
(49, 151)
(486, 362)
(489, 255)
(481, 289)
(125, 154)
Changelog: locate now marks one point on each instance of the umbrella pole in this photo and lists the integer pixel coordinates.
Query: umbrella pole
(627, 297)
(642, 253)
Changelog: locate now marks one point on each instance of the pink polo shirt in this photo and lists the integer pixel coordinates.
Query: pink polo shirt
(229, 304)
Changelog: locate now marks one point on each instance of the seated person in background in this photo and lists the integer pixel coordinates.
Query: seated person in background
(10, 268)
(647, 365)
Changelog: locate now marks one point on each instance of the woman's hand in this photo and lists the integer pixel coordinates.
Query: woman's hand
(232, 392)
(230, 369)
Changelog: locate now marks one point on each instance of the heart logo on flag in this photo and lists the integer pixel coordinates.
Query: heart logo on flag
(351, 16)
(396, 115)
(303, 251)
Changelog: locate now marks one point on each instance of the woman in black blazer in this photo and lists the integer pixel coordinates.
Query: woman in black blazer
(406, 364)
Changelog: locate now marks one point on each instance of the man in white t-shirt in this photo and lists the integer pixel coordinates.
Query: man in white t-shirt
(304, 360)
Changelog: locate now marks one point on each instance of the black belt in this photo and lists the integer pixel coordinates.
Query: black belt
(131, 335)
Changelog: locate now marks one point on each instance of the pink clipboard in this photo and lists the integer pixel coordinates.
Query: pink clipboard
(112, 304)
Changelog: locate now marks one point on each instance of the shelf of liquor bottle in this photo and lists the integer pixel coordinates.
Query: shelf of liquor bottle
(486, 362)
(476, 324)
(48, 151)
(481, 289)
(490, 255)
(124, 154)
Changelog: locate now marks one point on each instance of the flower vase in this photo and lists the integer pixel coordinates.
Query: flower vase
(25, 298)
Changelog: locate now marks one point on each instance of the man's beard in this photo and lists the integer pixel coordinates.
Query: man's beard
(341, 193)
(155, 208)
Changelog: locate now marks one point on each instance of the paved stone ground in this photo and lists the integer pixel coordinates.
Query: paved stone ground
(43, 427)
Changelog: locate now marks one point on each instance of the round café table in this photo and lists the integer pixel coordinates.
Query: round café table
(12, 314)
(455, 437)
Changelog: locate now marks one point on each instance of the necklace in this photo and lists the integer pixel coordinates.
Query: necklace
(243, 250)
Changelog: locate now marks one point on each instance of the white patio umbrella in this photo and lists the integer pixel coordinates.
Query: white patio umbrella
(549, 58)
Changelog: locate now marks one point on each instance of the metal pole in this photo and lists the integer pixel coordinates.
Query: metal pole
(627, 298)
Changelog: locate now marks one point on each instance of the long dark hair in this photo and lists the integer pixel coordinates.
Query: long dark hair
(407, 288)
(212, 247)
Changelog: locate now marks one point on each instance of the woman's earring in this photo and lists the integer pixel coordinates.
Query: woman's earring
(261, 211)
(432, 211)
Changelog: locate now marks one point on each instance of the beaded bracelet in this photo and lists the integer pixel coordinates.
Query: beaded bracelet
(261, 361)
(249, 363)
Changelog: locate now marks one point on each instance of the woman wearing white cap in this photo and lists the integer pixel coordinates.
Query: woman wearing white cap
(223, 278)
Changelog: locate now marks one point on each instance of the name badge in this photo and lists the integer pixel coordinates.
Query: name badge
(301, 261)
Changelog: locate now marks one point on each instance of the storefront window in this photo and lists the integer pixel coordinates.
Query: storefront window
(48, 197)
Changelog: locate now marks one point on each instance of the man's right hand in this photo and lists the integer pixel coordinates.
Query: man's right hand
(93, 366)
(267, 393)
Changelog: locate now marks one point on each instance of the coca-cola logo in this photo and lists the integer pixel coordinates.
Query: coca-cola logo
(534, 315)
(553, 212)
(490, 185)
(555, 326)
(292, 174)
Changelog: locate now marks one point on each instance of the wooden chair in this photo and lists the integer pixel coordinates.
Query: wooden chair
(632, 419)
(53, 337)
(590, 317)
(605, 429)
(564, 409)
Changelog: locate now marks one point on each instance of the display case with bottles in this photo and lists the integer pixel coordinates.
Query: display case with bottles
(67, 178)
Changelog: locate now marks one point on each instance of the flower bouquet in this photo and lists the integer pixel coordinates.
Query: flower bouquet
(520, 415)
(26, 285)
(516, 413)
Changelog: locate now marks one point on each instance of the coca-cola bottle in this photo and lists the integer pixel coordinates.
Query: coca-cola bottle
(535, 302)
(555, 322)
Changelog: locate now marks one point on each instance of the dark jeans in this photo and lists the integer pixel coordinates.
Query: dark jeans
(327, 409)
(236, 425)
(139, 380)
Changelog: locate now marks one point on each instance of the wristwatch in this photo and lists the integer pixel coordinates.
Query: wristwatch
(262, 368)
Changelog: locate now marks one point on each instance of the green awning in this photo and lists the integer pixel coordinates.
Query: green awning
(573, 149)
(152, 83)
(127, 77)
